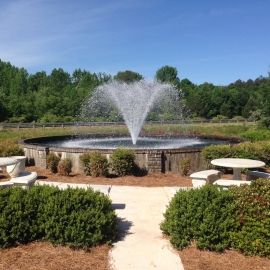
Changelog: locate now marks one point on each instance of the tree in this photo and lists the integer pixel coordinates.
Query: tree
(249, 107)
(128, 76)
(168, 74)
(35, 81)
(59, 80)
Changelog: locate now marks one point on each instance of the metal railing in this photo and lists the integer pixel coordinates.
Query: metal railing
(72, 124)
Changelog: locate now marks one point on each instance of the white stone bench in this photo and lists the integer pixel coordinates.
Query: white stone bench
(226, 183)
(6, 184)
(253, 175)
(24, 179)
(202, 177)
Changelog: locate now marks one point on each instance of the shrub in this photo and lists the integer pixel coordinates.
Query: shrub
(64, 166)
(85, 161)
(256, 135)
(220, 117)
(122, 161)
(52, 161)
(98, 164)
(14, 222)
(10, 148)
(256, 150)
(77, 217)
(253, 204)
(184, 166)
(206, 215)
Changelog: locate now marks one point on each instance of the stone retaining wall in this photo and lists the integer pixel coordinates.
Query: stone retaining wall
(158, 161)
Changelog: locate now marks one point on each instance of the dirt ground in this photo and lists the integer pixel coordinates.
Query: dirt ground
(42, 255)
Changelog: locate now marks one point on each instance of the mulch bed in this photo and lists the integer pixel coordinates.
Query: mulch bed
(43, 255)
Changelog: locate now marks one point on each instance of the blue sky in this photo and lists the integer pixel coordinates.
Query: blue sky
(207, 41)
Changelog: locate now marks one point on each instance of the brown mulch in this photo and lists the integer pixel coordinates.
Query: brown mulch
(43, 255)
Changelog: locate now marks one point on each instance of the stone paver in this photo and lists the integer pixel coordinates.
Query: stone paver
(141, 245)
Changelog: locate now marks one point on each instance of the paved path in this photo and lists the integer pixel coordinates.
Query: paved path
(140, 211)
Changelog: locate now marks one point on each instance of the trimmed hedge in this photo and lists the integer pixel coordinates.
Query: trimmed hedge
(256, 150)
(122, 161)
(77, 217)
(206, 215)
(218, 219)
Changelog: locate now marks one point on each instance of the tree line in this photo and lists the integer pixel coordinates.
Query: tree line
(58, 96)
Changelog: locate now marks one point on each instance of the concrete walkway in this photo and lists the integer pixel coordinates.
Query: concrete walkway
(140, 211)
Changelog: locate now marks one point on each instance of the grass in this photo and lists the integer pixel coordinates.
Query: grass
(214, 129)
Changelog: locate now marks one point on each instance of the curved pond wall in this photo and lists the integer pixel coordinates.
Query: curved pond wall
(152, 160)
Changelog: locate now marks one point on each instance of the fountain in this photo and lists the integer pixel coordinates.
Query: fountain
(134, 101)
(131, 103)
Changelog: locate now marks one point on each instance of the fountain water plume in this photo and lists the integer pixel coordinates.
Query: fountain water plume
(134, 101)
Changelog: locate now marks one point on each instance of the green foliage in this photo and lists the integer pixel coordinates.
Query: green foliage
(238, 117)
(9, 148)
(122, 161)
(64, 166)
(220, 117)
(15, 223)
(220, 219)
(184, 166)
(99, 165)
(85, 161)
(128, 76)
(253, 204)
(53, 97)
(256, 135)
(206, 215)
(168, 74)
(78, 218)
(52, 161)
(256, 150)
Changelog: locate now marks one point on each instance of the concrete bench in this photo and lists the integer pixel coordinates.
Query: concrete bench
(24, 179)
(253, 175)
(6, 184)
(202, 177)
(226, 183)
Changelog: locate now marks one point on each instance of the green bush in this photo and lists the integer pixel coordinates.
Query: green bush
(206, 215)
(122, 161)
(184, 166)
(64, 166)
(85, 161)
(256, 135)
(10, 148)
(99, 165)
(52, 161)
(253, 204)
(256, 150)
(220, 117)
(15, 225)
(78, 218)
